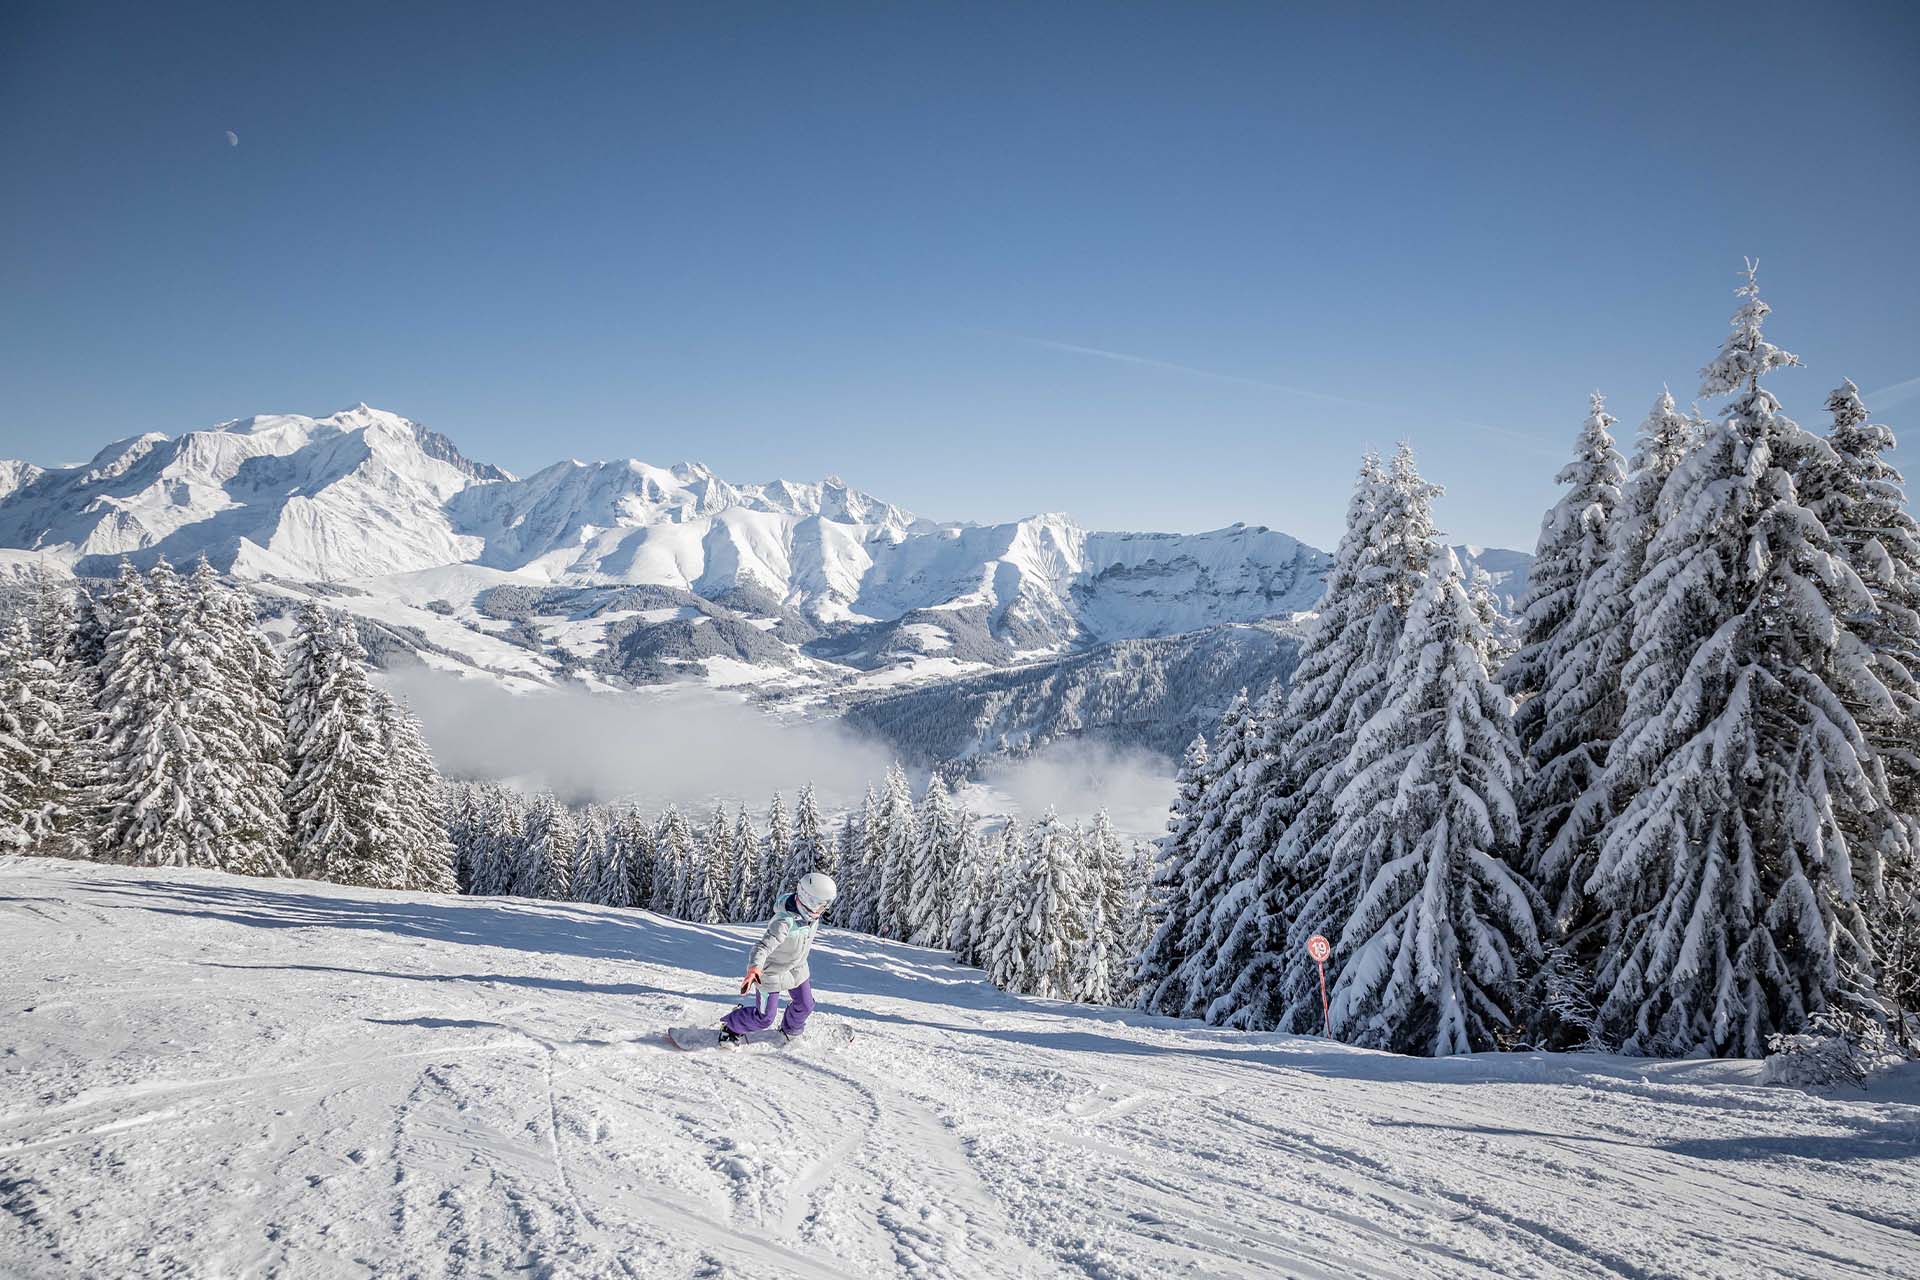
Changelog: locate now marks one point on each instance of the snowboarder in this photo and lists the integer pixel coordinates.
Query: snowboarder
(778, 963)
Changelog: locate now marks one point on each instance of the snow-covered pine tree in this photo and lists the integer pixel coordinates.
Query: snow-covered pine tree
(552, 833)
(1169, 897)
(1429, 959)
(967, 888)
(1587, 691)
(139, 774)
(1733, 899)
(1200, 869)
(935, 857)
(1501, 642)
(749, 875)
(673, 866)
(896, 864)
(840, 853)
(860, 860)
(505, 843)
(1861, 499)
(1099, 966)
(589, 882)
(711, 889)
(1046, 924)
(1137, 925)
(1571, 547)
(777, 858)
(417, 798)
(485, 826)
(233, 819)
(1229, 879)
(809, 849)
(17, 762)
(999, 913)
(1352, 664)
(253, 684)
(1566, 717)
(1285, 789)
(626, 882)
(41, 765)
(337, 801)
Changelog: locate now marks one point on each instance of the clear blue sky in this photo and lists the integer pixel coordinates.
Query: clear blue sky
(885, 239)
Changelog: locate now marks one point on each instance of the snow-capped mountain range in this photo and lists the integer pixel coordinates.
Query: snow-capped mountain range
(625, 572)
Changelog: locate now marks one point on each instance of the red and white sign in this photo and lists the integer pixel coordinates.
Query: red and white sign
(1319, 948)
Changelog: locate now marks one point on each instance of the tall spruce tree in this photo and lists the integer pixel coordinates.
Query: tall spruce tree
(1733, 899)
(417, 798)
(967, 887)
(1428, 960)
(337, 800)
(42, 719)
(809, 851)
(1170, 901)
(749, 870)
(896, 855)
(1571, 547)
(1348, 663)
(1567, 714)
(935, 859)
(997, 908)
(1099, 965)
(138, 778)
(1590, 696)
(777, 857)
(673, 866)
(1046, 924)
(17, 763)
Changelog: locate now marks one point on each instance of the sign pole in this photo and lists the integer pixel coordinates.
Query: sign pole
(1319, 948)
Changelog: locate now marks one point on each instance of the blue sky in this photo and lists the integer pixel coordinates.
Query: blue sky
(1160, 266)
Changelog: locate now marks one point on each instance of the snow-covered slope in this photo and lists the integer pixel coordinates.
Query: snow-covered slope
(1151, 695)
(207, 1075)
(14, 474)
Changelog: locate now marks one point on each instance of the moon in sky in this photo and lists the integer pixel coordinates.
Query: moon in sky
(233, 139)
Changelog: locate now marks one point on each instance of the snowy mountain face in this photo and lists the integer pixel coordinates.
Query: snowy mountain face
(625, 573)
(357, 494)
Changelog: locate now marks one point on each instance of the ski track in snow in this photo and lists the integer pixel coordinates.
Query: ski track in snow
(208, 1076)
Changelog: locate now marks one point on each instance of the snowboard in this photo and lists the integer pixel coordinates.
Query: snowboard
(694, 1039)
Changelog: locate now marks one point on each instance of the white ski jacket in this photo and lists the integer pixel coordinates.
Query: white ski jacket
(781, 953)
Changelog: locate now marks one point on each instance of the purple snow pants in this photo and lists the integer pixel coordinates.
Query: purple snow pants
(758, 1014)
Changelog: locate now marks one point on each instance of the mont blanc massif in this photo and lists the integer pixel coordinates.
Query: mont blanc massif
(949, 641)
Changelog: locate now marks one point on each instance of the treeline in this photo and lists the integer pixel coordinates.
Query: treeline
(1053, 909)
(155, 725)
(1679, 820)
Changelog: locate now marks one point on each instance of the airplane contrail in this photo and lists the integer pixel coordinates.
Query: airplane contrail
(1149, 362)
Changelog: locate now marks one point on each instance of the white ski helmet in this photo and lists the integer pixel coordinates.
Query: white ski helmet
(815, 892)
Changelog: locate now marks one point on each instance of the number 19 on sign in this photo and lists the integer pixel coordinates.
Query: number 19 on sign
(1319, 948)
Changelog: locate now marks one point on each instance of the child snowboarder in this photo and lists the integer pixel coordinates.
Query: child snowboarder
(778, 963)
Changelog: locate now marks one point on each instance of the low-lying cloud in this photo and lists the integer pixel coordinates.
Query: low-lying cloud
(692, 746)
(687, 745)
(1078, 779)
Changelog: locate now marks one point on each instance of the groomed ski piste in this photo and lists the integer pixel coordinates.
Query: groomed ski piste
(205, 1075)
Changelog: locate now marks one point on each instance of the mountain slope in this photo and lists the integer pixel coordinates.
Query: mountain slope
(364, 496)
(295, 1078)
(622, 573)
(1152, 695)
(359, 493)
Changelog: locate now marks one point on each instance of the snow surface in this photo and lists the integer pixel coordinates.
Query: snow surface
(209, 1075)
